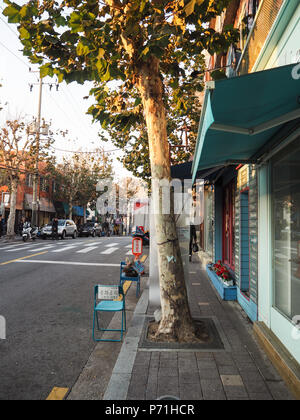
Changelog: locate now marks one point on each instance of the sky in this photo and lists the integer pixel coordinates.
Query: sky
(65, 108)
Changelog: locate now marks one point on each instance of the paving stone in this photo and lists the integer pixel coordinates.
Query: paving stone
(204, 356)
(206, 364)
(232, 380)
(209, 373)
(187, 366)
(190, 392)
(228, 370)
(212, 389)
(265, 396)
(139, 380)
(168, 355)
(139, 369)
(142, 358)
(236, 392)
(223, 359)
(255, 386)
(167, 372)
(279, 391)
(168, 386)
(151, 392)
(189, 378)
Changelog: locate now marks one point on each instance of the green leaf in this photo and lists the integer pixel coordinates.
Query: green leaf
(75, 22)
(13, 14)
(46, 70)
(82, 48)
(106, 76)
(24, 34)
(190, 7)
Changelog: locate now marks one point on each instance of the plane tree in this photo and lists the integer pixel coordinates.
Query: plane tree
(137, 52)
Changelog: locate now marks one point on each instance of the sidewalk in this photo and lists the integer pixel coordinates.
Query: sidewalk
(5, 240)
(239, 371)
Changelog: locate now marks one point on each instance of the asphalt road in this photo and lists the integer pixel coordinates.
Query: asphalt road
(46, 297)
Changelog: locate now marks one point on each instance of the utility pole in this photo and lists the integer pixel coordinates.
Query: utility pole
(35, 209)
(37, 130)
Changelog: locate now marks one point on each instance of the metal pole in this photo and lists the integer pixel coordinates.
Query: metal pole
(34, 219)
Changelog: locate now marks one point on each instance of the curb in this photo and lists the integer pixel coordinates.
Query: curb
(118, 385)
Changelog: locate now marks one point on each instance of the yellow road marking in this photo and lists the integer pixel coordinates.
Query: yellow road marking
(126, 286)
(57, 394)
(23, 258)
(143, 259)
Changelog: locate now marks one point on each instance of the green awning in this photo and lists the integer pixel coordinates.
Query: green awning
(240, 115)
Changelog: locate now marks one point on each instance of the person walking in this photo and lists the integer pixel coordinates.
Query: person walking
(55, 228)
(1, 226)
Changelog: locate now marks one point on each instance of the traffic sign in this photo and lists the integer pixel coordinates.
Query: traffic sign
(137, 247)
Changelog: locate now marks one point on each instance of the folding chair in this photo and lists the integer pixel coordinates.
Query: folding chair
(107, 299)
(124, 278)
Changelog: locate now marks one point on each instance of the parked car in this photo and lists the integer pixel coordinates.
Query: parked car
(90, 229)
(65, 228)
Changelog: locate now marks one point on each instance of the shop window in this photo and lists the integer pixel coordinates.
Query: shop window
(244, 242)
(208, 220)
(286, 230)
(229, 225)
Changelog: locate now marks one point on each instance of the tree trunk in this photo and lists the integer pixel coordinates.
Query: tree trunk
(84, 214)
(13, 205)
(176, 323)
(70, 210)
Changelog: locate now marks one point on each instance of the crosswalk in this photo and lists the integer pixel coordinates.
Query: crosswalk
(99, 247)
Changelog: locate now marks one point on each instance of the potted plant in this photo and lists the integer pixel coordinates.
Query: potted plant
(222, 272)
(222, 280)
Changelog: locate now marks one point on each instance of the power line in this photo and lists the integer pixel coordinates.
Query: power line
(9, 27)
(4, 46)
(83, 152)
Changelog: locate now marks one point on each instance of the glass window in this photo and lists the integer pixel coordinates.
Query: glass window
(208, 220)
(229, 225)
(286, 230)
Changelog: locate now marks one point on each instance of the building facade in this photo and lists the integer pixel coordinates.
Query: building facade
(250, 133)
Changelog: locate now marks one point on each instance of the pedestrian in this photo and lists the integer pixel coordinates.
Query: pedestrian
(1, 226)
(55, 228)
(193, 240)
(21, 224)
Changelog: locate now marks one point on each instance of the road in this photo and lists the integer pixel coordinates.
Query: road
(46, 297)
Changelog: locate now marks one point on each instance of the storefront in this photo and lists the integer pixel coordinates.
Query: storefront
(279, 243)
(255, 213)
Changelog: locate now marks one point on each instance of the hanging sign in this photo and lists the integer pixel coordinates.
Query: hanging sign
(137, 247)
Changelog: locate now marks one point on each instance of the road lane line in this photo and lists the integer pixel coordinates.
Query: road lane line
(86, 250)
(67, 248)
(11, 246)
(23, 258)
(112, 245)
(67, 263)
(24, 247)
(57, 394)
(109, 251)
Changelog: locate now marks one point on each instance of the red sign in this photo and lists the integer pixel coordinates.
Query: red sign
(137, 247)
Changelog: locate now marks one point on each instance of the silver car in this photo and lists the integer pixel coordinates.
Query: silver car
(65, 228)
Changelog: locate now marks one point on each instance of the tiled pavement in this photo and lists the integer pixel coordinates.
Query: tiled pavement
(241, 372)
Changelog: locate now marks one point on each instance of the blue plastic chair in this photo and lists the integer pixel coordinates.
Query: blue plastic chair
(124, 278)
(104, 301)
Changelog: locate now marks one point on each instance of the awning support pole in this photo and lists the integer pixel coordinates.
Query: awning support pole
(290, 116)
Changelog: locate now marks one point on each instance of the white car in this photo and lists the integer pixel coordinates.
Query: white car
(65, 228)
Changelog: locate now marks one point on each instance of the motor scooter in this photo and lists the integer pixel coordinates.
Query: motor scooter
(29, 233)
